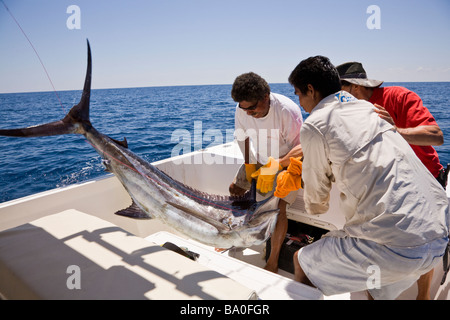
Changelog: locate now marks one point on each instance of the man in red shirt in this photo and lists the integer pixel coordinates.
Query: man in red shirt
(405, 111)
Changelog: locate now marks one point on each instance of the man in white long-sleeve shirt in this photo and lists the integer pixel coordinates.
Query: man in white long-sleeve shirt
(396, 212)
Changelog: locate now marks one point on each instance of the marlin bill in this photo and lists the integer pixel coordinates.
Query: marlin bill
(219, 221)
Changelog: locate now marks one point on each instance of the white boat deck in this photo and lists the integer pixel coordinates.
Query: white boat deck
(95, 202)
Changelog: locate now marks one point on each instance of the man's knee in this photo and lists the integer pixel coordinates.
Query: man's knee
(298, 272)
(300, 275)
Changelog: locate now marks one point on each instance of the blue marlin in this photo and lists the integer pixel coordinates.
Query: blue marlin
(220, 221)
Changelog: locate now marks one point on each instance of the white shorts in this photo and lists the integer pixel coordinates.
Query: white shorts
(338, 265)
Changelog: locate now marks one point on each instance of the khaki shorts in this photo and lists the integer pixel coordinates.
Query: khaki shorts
(241, 181)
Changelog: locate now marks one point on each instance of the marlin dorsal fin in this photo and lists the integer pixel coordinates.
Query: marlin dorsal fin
(123, 143)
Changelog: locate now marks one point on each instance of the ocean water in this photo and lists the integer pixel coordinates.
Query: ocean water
(148, 117)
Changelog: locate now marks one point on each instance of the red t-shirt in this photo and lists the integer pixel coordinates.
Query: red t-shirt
(407, 110)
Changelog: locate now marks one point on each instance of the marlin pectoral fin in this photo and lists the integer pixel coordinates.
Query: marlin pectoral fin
(217, 224)
(134, 212)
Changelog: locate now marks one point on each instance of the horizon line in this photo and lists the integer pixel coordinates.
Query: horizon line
(187, 85)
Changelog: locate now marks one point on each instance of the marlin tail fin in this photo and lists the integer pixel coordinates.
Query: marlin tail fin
(73, 122)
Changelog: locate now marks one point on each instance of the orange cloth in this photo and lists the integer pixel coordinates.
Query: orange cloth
(289, 180)
(266, 175)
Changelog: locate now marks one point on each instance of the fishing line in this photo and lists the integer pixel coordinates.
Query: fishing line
(35, 51)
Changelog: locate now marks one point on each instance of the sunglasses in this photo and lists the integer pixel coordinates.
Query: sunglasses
(251, 108)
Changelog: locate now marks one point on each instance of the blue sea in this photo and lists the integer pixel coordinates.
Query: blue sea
(147, 117)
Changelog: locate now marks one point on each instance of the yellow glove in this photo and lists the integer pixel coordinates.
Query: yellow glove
(266, 175)
(289, 180)
(249, 169)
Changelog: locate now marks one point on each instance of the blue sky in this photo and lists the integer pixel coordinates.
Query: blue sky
(139, 43)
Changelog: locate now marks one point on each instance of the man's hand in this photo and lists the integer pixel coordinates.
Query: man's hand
(266, 175)
(384, 114)
(289, 180)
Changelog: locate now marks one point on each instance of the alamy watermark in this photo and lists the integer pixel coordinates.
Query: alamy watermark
(74, 20)
(263, 143)
(374, 20)
(374, 279)
(74, 280)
